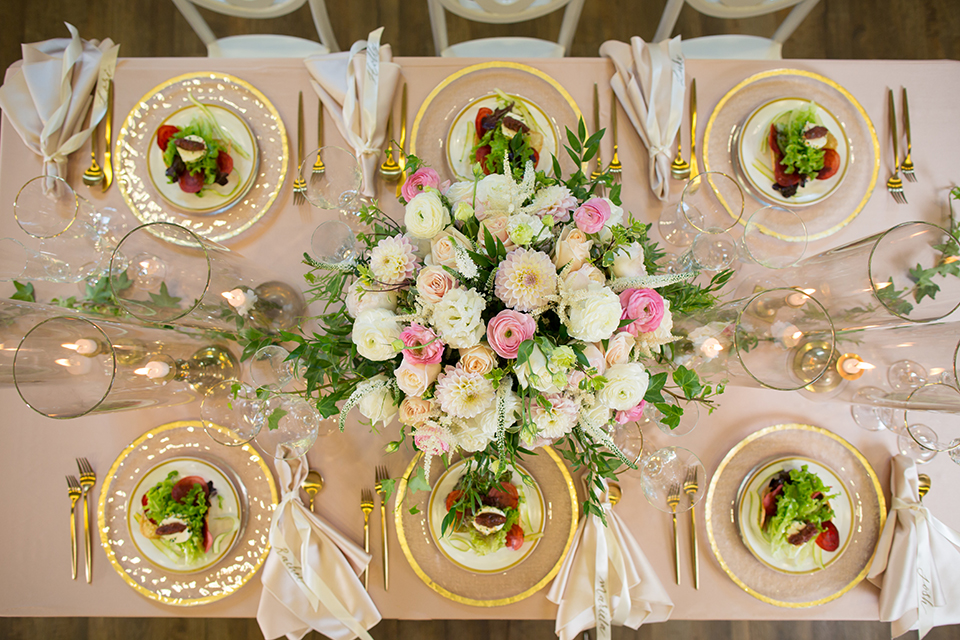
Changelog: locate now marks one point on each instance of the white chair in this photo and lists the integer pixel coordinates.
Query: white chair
(503, 12)
(259, 45)
(735, 46)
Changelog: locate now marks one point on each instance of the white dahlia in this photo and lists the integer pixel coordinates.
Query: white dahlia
(393, 260)
(557, 421)
(463, 394)
(525, 279)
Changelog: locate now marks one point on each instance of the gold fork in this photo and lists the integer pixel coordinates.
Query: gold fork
(299, 185)
(94, 173)
(907, 165)
(615, 167)
(318, 166)
(381, 475)
(690, 486)
(366, 505)
(87, 479)
(73, 490)
(673, 499)
(389, 169)
(895, 184)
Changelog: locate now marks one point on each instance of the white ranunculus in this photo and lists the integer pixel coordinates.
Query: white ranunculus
(597, 415)
(498, 192)
(626, 386)
(596, 315)
(375, 333)
(653, 340)
(460, 192)
(534, 373)
(425, 216)
(628, 262)
(378, 406)
(360, 298)
(457, 318)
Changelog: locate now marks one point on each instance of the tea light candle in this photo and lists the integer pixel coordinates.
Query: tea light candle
(154, 369)
(787, 334)
(796, 299)
(711, 348)
(851, 366)
(86, 347)
(236, 298)
(75, 366)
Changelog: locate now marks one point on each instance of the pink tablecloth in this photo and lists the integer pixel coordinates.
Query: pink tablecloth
(37, 452)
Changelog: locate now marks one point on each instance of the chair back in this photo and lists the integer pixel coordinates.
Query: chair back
(735, 9)
(503, 12)
(256, 9)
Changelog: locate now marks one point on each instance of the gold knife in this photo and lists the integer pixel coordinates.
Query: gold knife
(596, 127)
(615, 167)
(694, 170)
(108, 136)
(402, 151)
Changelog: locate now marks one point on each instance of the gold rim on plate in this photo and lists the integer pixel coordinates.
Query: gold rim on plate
(738, 562)
(138, 130)
(727, 119)
(249, 472)
(441, 107)
(445, 578)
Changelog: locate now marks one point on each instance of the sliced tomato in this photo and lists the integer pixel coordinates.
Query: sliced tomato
(831, 164)
(452, 498)
(182, 489)
(190, 182)
(482, 113)
(224, 163)
(782, 178)
(515, 537)
(829, 538)
(481, 157)
(163, 135)
(770, 503)
(502, 497)
(143, 500)
(536, 158)
(207, 538)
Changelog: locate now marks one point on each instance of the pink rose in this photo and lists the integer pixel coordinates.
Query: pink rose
(631, 415)
(434, 282)
(422, 345)
(415, 379)
(421, 179)
(592, 215)
(645, 306)
(507, 330)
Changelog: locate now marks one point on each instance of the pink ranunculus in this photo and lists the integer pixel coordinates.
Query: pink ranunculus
(416, 338)
(631, 415)
(645, 307)
(507, 330)
(592, 215)
(418, 181)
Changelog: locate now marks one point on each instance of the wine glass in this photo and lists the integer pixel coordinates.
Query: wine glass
(773, 237)
(290, 426)
(935, 406)
(628, 438)
(663, 474)
(271, 367)
(688, 421)
(334, 242)
(915, 444)
(46, 207)
(231, 413)
(710, 252)
(338, 189)
(905, 375)
(865, 413)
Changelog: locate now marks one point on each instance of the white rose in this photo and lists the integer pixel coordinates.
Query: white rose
(619, 348)
(628, 262)
(498, 192)
(626, 386)
(596, 315)
(534, 373)
(378, 406)
(460, 192)
(425, 216)
(433, 283)
(573, 248)
(375, 332)
(457, 318)
(616, 218)
(414, 379)
(359, 299)
(442, 251)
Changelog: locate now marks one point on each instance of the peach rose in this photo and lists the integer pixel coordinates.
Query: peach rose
(573, 248)
(497, 225)
(619, 348)
(414, 379)
(442, 251)
(414, 410)
(478, 359)
(582, 277)
(434, 282)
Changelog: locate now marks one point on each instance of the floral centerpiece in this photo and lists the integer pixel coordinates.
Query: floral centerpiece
(506, 313)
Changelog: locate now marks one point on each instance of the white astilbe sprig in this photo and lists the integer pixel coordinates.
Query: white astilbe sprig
(506, 386)
(600, 436)
(648, 282)
(525, 187)
(465, 264)
(348, 265)
(364, 388)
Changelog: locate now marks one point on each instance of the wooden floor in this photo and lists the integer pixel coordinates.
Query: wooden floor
(887, 29)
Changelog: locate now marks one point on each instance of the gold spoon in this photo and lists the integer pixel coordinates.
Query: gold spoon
(312, 484)
(924, 484)
(614, 493)
(94, 173)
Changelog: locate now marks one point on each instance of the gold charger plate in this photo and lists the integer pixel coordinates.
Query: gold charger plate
(258, 496)
(137, 135)
(764, 582)
(721, 137)
(432, 127)
(561, 509)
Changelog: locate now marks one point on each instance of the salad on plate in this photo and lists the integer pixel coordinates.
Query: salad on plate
(801, 149)
(508, 131)
(796, 516)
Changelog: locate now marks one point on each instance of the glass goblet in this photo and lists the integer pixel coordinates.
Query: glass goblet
(338, 188)
(865, 413)
(937, 407)
(710, 252)
(271, 367)
(231, 413)
(773, 237)
(47, 207)
(334, 242)
(905, 375)
(628, 438)
(914, 445)
(291, 426)
(663, 475)
(712, 202)
(688, 421)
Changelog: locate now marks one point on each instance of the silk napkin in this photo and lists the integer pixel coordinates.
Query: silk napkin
(606, 580)
(357, 87)
(917, 564)
(48, 98)
(649, 83)
(310, 576)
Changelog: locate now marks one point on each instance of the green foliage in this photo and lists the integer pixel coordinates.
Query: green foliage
(24, 292)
